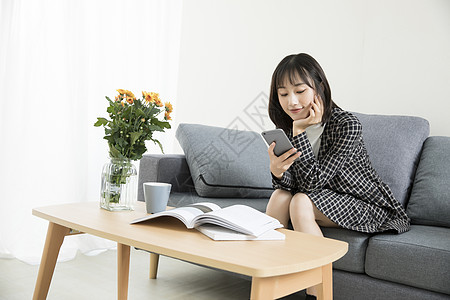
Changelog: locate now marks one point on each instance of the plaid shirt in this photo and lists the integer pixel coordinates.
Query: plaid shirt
(341, 182)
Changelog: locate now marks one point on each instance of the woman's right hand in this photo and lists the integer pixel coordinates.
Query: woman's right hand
(280, 164)
(315, 117)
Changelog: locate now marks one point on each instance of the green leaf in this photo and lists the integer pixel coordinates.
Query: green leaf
(138, 151)
(155, 128)
(165, 124)
(137, 104)
(113, 152)
(109, 138)
(140, 112)
(100, 122)
(121, 142)
(153, 110)
(134, 136)
(159, 144)
(162, 124)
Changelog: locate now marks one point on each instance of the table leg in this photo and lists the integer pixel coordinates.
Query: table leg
(154, 260)
(53, 242)
(325, 289)
(262, 288)
(279, 286)
(123, 270)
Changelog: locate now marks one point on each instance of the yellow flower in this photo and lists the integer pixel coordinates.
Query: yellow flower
(152, 98)
(130, 100)
(169, 107)
(130, 94)
(158, 102)
(147, 96)
(156, 99)
(167, 116)
(126, 92)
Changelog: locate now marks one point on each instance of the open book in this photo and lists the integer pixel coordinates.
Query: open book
(236, 222)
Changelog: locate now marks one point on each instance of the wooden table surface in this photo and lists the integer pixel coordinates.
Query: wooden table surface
(168, 236)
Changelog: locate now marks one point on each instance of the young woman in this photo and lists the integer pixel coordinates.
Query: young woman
(332, 184)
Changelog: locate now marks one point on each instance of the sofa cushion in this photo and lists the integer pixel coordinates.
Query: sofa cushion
(351, 286)
(394, 144)
(430, 196)
(226, 162)
(354, 259)
(419, 257)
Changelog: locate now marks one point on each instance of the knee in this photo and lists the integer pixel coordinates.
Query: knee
(279, 198)
(279, 193)
(301, 207)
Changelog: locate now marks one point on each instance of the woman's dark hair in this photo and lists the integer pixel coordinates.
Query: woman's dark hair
(311, 73)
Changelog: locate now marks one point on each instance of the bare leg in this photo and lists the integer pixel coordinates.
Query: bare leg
(278, 206)
(302, 215)
(322, 220)
(305, 217)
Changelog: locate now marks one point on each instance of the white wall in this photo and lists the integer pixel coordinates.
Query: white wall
(385, 57)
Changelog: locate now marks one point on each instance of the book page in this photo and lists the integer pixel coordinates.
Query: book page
(186, 214)
(218, 233)
(240, 218)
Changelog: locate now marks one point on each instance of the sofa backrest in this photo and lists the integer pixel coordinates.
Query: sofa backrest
(226, 162)
(394, 144)
(430, 196)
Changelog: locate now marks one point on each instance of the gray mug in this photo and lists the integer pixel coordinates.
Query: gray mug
(156, 195)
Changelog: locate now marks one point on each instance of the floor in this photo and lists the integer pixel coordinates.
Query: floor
(94, 277)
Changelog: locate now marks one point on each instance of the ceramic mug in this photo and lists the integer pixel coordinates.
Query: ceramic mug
(156, 195)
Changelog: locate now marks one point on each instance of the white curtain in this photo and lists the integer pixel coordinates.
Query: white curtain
(58, 61)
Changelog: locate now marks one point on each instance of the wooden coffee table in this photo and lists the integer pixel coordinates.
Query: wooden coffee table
(277, 268)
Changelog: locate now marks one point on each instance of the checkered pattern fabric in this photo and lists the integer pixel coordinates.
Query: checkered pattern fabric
(341, 182)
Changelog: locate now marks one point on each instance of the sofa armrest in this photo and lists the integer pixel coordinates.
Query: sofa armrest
(168, 168)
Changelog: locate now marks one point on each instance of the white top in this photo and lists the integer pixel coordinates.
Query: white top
(314, 134)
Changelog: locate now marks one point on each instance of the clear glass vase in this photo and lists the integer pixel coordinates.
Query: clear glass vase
(119, 185)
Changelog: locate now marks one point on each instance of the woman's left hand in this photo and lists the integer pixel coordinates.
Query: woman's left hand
(315, 117)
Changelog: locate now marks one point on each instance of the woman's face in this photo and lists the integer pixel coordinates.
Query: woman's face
(296, 99)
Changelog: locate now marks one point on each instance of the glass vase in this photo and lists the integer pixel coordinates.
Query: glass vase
(119, 185)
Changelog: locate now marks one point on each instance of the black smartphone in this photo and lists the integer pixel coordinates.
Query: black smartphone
(282, 143)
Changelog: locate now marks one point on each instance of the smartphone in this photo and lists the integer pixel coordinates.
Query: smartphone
(282, 143)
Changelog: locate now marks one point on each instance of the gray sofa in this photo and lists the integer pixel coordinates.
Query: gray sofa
(227, 166)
